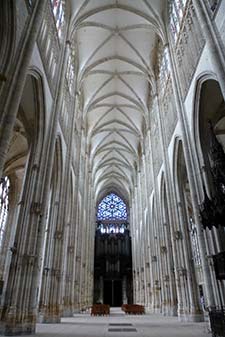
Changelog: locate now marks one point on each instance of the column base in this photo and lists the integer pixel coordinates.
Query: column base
(76, 311)
(67, 312)
(148, 309)
(182, 317)
(187, 317)
(44, 317)
(50, 315)
(10, 325)
(173, 311)
(196, 317)
(168, 310)
(7, 329)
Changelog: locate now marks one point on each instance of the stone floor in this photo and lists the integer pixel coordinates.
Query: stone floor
(120, 325)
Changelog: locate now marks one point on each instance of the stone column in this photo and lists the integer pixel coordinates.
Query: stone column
(134, 247)
(75, 239)
(66, 273)
(168, 227)
(190, 172)
(141, 236)
(146, 235)
(138, 247)
(148, 250)
(92, 247)
(18, 311)
(90, 242)
(154, 235)
(84, 232)
(69, 242)
(14, 85)
(89, 246)
(124, 290)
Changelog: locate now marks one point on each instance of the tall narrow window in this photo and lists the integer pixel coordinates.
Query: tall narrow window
(4, 205)
(70, 71)
(177, 8)
(58, 11)
(194, 242)
(164, 67)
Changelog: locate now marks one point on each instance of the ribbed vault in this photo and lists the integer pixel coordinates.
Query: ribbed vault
(115, 47)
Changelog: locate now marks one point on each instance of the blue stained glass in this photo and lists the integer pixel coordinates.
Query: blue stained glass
(112, 207)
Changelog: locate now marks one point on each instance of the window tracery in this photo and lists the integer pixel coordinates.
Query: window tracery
(4, 205)
(112, 215)
(70, 70)
(164, 67)
(177, 9)
(58, 11)
(112, 228)
(194, 242)
(112, 207)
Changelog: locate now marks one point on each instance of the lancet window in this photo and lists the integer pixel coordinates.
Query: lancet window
(4, 205)
(177, 9)
(164, 67)
(58, 11)
(70, 71)
(194, 242)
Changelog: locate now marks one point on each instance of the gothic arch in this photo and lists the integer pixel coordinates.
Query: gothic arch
(209, 104)
(210, 145)
(25, 164)
(27, 142)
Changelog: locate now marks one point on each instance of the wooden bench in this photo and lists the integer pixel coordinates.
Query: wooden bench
(100, 310)
(133, 309)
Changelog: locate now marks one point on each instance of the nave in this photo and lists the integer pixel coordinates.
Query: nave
(112, 165)
(121, 325)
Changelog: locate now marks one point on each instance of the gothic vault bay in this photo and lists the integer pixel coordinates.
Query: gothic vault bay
(112, 158)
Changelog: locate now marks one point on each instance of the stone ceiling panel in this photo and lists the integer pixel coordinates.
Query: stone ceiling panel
(116, 40)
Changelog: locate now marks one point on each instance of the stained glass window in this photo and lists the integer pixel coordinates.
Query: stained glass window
(112, 207)
(164, 67)
(58, 11)
(177, 8)
(4, 205)
(70, 71)
(194, 242)
(112, 228)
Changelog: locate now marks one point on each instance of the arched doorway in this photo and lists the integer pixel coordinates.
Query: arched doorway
(113, 262)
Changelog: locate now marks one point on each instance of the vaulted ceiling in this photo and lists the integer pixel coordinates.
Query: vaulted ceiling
(116, 52)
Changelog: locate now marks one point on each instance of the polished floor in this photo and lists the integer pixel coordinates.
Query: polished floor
(120, 325)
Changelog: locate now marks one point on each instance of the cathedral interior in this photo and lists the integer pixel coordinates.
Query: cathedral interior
(112, 159)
